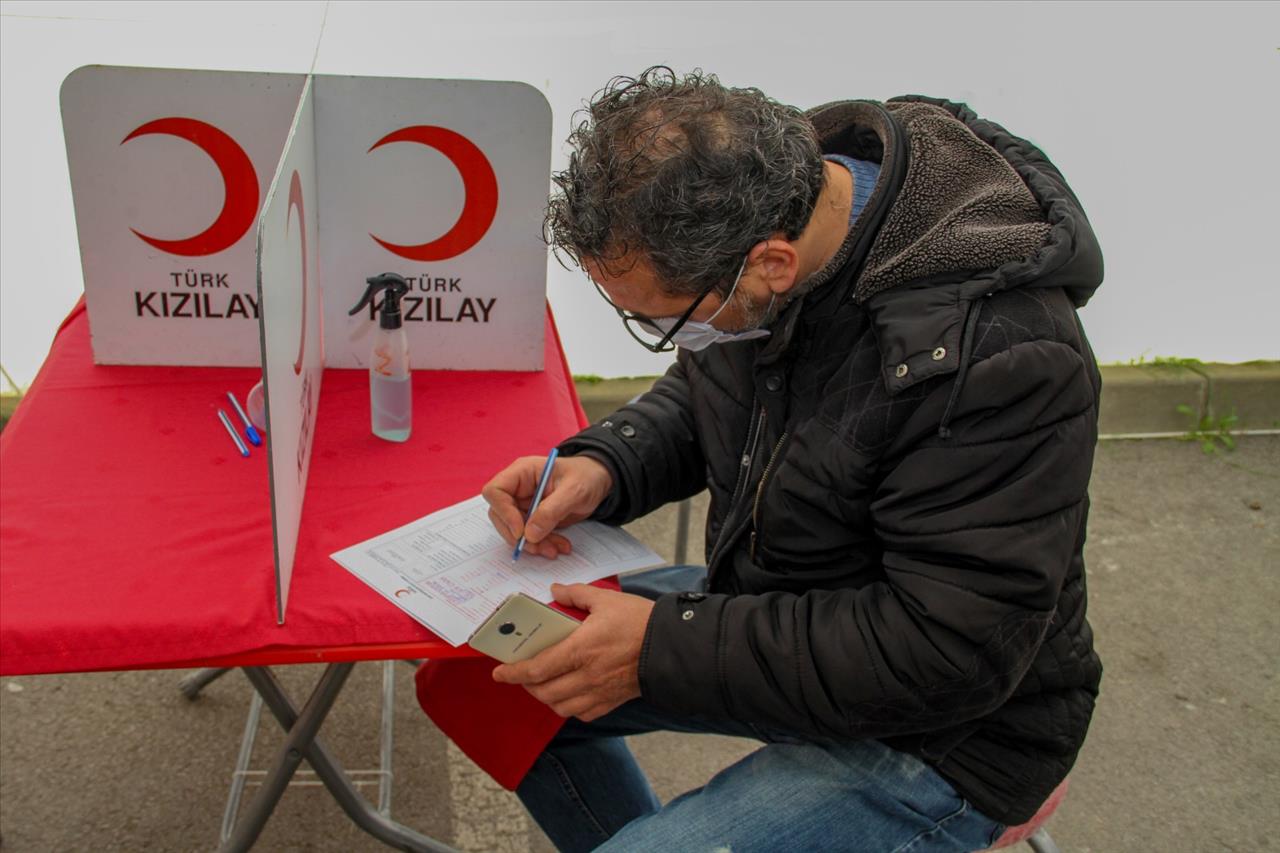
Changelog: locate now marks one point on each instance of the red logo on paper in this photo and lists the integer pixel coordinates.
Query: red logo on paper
(295, 201)
(478, 181)
(238, 177)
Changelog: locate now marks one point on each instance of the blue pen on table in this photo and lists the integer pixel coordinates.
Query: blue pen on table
(249, 429)
(537, 498)
(235, 436)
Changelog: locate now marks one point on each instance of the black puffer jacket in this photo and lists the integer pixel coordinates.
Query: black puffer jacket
(898, 475)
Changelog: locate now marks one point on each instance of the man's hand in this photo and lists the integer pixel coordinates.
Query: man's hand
(577, 486)
(597, 667)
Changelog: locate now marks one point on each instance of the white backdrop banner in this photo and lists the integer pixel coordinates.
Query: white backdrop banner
(292, 346)
(445, 183)
(168, 169)
(441, 181)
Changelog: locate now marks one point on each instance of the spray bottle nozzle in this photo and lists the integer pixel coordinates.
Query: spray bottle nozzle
(396, 286)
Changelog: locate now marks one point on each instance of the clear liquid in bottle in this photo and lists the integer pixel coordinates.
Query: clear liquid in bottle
(390, 399)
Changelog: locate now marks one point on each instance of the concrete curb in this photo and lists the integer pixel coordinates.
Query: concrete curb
(1145, 399)
(1137, 400)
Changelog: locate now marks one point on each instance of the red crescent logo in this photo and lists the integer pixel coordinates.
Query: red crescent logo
(405, 591)
(295, 200)
(238, 177)
(478, 181)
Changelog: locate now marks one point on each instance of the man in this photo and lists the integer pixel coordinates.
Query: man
(883, 383)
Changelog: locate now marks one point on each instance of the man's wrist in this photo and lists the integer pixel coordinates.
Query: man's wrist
(602, 476)
(610, 498)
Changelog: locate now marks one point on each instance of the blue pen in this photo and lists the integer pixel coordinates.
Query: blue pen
(249, 429)
(537, 497)
(235, 436)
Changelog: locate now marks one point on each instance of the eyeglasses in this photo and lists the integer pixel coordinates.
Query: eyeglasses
(638, 324)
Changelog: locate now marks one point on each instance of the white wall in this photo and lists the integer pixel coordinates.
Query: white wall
(1162, 115)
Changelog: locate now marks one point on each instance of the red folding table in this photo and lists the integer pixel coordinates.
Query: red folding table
(134, 536)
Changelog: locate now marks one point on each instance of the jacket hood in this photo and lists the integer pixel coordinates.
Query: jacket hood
(963, 209)
(970, 198)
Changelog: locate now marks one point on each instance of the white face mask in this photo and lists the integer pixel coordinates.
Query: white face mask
(696, 335)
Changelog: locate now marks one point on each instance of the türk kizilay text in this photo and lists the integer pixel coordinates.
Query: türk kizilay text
(438, 309)
(210, 306)
(196, 295)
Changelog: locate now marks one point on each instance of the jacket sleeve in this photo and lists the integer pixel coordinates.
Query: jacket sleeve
(651, 448)
(977, 532)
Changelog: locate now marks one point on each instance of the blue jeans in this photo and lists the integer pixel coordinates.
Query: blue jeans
(797, 793)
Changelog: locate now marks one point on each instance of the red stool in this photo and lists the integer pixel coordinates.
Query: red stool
(1033, 831)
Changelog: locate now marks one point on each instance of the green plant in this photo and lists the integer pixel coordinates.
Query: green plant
(8, 400)
(1209, 430)
(1212, 431)
(13, 386)
(1140, 361)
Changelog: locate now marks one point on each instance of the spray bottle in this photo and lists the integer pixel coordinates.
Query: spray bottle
(390, 390)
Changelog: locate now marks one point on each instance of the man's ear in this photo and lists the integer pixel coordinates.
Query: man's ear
(775, 263)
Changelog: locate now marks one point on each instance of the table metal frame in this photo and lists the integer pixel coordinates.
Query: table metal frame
(302, 741)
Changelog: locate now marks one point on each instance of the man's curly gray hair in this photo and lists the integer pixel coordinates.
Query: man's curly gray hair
(684, 173)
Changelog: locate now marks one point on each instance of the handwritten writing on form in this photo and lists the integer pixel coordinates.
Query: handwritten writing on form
(451, 569)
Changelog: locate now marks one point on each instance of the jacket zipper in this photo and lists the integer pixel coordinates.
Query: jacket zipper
(875, 216)
(744, 468)
(764, 478)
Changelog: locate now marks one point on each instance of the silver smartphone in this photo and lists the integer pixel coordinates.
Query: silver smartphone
(521, 627)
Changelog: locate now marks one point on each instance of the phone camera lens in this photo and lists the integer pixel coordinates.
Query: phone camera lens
(506, 628)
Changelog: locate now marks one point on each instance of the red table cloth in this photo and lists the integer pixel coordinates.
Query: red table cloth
(133, 535)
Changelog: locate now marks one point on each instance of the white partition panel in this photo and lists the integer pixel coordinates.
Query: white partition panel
(445, 183)
(168, 170)
(291, 329)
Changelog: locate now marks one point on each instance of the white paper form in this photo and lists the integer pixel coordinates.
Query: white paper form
(451, 569)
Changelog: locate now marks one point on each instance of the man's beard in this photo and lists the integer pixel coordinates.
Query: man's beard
(754, 315)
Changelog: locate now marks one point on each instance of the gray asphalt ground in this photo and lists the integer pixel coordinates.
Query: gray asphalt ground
(1184, 753)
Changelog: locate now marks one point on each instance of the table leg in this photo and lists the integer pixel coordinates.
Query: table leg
(302, 742)
(192, 684)
(386, 739)
(240, 776)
